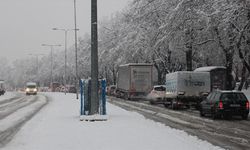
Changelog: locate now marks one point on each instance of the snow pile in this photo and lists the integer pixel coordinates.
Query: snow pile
(57, 127)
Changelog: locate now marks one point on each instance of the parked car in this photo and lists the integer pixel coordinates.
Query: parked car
(157, 95)
(44, 89)
(54, 87)
(71, 89)
(31, 88)
(225, 104)
(2, 88)
(111, 90)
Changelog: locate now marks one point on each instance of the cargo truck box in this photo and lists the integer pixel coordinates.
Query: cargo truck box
(187, 87)
(134, 80)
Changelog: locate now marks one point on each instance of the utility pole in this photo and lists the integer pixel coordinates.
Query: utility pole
(77, 78)
(94, 60)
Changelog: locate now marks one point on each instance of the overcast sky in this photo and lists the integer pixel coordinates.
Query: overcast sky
(26, 24)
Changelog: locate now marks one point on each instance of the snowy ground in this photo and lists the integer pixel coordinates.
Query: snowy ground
(57, 127)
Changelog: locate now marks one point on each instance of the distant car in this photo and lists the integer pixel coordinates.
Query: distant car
(63, 89)
(2, 89)
(71, 89)
(157, 95)
(55, 87)
(225, 104)
(31, 88)
(111, 90)
(44, 89)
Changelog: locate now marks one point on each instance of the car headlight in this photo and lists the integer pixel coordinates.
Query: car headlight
(205, 94)
(35, 90)
(27, 90)
(181, 93)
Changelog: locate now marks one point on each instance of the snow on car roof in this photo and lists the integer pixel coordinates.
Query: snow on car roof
(31, 83)
(137, 64)
(233, 91)
(159, 85)
(209, 68)
(229, 91)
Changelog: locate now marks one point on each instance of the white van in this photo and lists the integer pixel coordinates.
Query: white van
(31, 88)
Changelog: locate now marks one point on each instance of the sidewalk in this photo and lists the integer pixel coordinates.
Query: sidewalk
(57, 127)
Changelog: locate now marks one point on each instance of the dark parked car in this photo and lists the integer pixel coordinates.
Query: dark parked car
(225, 104)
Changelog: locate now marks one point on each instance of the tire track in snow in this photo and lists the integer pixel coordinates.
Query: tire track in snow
(11, 124)
(10, 108)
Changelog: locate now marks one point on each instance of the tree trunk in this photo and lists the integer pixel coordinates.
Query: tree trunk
(229, 65)
(114, 75)
(189, 47)
(243, 78)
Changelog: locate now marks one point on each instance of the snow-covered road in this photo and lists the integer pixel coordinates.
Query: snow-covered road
(57, 127)
(15, 110)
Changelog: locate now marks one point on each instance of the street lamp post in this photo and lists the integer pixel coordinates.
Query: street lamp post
(51, 56)
(94, 59)
(77, 78)
(65, 62)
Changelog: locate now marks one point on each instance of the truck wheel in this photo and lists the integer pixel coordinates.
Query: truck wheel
(197, 107)
(201, 113)
(152, 102)
(245, 116)
(227, 116)
(214, 114)
(118, 94)
(173, 105)
(166, 105)
(126, 96)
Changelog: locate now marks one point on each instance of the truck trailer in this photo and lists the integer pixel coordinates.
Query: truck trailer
(186, 88)
(218, 76)
(134, 81)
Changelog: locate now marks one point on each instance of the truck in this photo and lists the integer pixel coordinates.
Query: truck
(2, 88)
(134, 80)
(218, 76)
(186, 88)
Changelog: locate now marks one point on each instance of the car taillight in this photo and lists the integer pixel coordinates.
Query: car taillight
(247, 105)
(220, 105)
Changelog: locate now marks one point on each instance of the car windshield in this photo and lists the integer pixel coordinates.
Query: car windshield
(112, 87)
(160, 88)
(31, 86)
(233, 96)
